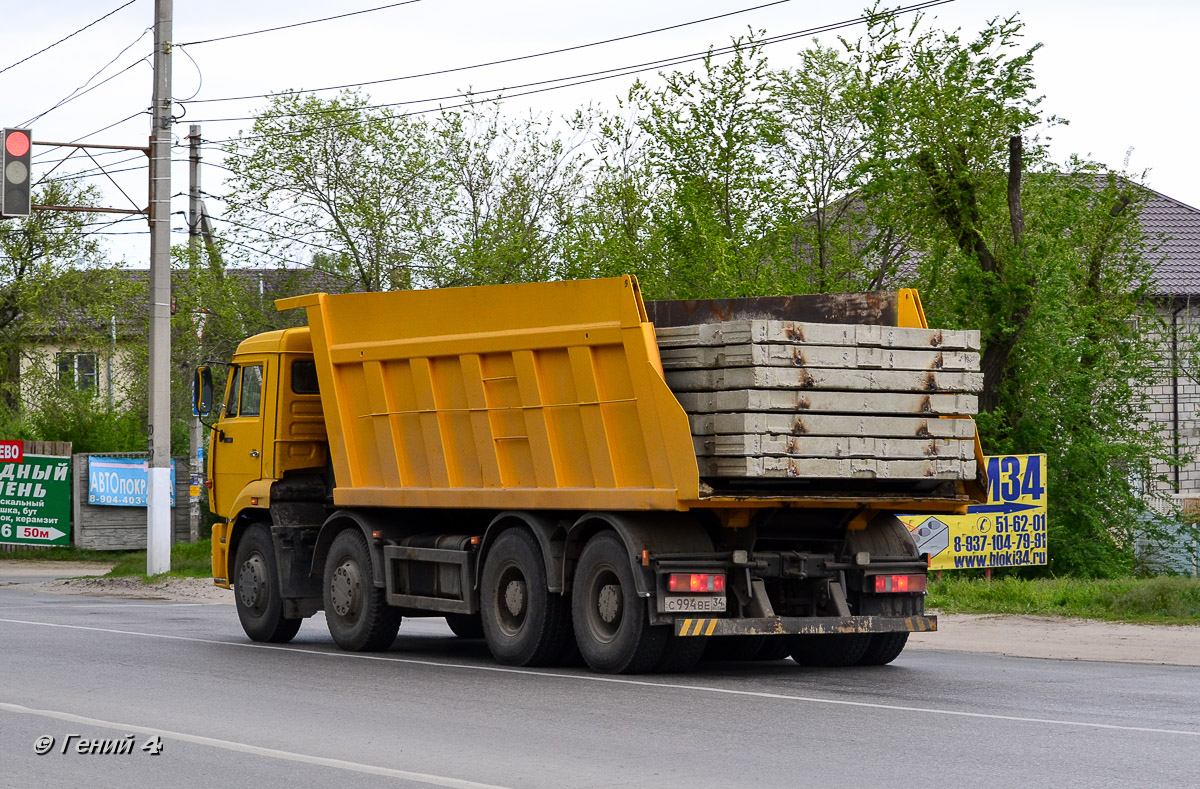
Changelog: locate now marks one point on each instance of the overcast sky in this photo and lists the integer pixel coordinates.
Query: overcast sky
(1122, 73)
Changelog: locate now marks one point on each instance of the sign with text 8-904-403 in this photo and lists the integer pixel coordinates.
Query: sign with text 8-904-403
(35, 500)
(1007, 531)
(121, 482)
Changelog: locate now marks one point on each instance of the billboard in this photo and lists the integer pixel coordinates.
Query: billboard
(35, 497)
(121, 482)
(1007, 531)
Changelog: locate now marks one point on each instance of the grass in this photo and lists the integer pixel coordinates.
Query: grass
(188, 560)
(1161, 599)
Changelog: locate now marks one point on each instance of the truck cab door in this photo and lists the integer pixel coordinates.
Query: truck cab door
(238, 445)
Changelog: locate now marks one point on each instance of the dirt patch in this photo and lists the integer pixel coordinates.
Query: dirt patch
(1064, 639)
(13, 571)
(189, 590)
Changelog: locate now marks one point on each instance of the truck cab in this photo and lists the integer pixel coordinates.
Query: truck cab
(269, 428)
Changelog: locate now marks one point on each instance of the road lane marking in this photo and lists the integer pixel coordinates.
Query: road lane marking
(255, 750)
(617, 680)
(73, 606)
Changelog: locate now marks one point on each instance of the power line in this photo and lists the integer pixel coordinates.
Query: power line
(93, 133)
(76, 93)
(296, 24)
(505, 60)
(310, 266)
(582, 79)
(274, 234)
(77, 32)
(78, 177)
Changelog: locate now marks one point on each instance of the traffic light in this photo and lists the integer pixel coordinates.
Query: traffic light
(16, 197)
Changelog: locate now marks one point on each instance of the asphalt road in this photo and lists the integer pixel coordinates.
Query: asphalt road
(436, 710)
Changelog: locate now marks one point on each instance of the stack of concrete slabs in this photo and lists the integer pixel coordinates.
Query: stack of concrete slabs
(790, 399)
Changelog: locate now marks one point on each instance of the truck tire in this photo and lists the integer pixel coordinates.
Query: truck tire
(359, 618)
(256, 589)
(892, 538)
(829, 650)
(886, 647)
(465, 625)
(524, 624)
(611, 624)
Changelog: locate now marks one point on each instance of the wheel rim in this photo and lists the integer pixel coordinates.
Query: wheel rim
(606, 604)
(252, 583)
(512, 600)
(345, 590)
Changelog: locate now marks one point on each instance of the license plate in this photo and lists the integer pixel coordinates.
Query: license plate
(693, 603)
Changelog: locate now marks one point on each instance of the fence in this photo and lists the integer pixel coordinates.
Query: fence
(105, 528)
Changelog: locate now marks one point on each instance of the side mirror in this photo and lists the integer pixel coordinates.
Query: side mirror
(202, 391)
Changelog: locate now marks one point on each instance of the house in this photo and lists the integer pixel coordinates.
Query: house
(1174, 228)
(101, 354)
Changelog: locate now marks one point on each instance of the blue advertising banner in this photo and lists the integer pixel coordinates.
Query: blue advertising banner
(121, 482)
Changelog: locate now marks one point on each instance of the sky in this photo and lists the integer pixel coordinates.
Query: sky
(1121, 73)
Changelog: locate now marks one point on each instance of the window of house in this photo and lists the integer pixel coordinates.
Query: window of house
(77, 371)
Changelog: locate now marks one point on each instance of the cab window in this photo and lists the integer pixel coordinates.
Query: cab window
(235, 382)
(304, 377)
(251, 391)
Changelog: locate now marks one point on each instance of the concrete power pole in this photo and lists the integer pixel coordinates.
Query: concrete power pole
(158, 508)
(194, 269)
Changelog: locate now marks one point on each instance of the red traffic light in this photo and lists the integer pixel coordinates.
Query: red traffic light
(16, 143)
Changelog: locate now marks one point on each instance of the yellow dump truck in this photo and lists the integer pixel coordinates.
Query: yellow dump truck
(512, 458)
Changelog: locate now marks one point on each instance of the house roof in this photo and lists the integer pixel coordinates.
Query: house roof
(1173, 229)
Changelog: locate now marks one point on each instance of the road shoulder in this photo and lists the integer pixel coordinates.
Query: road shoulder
(1060, 638)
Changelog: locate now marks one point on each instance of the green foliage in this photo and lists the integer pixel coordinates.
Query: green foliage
(83, 418)
(388, 202)
(716, 202)
(1168, 599)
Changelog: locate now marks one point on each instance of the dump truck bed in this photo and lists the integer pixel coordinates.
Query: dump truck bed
(546, 396)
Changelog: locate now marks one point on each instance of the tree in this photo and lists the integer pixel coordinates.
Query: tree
(1046, 260)
(365, 189)
(717, 199)
(52, 288)
(512, 190)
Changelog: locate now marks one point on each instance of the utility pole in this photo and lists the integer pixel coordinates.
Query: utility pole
(158, 508)
(194, 270)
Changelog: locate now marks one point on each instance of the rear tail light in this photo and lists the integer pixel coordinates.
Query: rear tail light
(899, 583)
(696, 582)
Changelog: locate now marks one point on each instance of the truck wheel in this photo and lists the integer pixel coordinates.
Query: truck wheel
(886, 647)
(465, 625)
(680, 654)
(611, 625)
(832, 650)
(524, 624)
(256, 589)
(359, 618)
(887, 536)
(883, 649)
